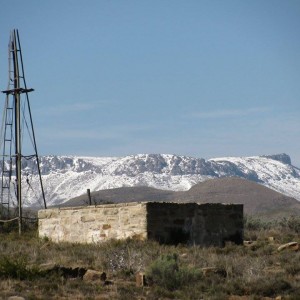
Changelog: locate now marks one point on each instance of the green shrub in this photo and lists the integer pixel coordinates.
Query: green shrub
(291, 223)
(290, 262)
(166, 272)
(17, 268)
(269, 288)
(254, 223)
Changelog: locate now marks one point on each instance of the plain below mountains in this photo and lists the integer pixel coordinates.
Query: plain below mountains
(257, 199)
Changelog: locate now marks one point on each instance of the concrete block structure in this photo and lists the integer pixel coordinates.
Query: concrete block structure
(170, 223)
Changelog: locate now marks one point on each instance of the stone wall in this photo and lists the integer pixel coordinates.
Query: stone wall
(94, 224)
(195, 224)
(171, 223)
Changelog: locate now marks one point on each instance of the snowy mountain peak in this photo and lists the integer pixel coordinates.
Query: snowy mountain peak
(65, 177)
(284, 158)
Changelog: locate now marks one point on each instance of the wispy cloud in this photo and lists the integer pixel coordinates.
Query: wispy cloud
(226, 113)
(72, 107)
(108, 133)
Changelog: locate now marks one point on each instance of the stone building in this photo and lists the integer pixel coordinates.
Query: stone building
(170, 223)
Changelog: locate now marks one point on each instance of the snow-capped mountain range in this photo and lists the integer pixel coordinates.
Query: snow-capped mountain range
(65, 177)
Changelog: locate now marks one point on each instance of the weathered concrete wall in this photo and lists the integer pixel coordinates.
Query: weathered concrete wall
(191, 223)
(94, 224)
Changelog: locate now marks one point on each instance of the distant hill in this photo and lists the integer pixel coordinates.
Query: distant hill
(257, 199)
(124, 194)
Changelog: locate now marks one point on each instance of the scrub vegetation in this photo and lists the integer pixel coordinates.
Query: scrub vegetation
(36, 268)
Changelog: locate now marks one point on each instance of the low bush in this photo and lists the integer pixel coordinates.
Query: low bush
(271, 287)
(166, 272)
(17, 268)
(291, 223)
(255, 269)
(253, 223)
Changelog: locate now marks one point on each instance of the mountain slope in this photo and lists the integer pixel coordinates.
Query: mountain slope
(274, 171)
(124, 194)
(257, 199)
(67, 177)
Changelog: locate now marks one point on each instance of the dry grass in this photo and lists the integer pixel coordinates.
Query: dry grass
(257, 270)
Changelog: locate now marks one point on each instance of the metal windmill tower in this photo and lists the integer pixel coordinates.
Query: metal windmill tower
(14, 124)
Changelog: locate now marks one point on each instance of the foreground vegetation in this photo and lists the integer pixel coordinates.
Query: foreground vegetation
(33, 268)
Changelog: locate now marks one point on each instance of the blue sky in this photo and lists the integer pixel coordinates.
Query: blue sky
(199, 78)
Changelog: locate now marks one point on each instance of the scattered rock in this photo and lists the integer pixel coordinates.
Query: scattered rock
(249, 243)
(65, 272)
(140, 279)
(271, 239)
(92, 275)
(47, 266)
(293, 246)
(71, 272)
(214, 270)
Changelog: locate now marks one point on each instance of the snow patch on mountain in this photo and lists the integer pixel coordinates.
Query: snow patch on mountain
(65, 177)
(276, 174)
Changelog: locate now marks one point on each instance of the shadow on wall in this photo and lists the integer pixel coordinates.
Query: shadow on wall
(195, 224)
